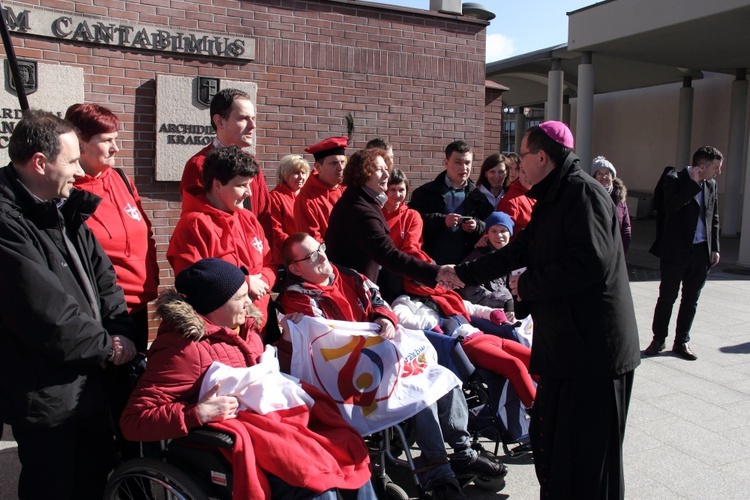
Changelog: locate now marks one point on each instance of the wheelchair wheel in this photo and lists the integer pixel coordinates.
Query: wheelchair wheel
(395, 492)
(152, 479)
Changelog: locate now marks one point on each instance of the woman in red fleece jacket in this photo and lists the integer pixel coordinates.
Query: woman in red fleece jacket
(308, 450)
(216, 223)
(291, 176)
(119, 223)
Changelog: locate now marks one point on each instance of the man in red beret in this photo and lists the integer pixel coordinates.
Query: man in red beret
(233, 120)
(575, 285)
(323, 189)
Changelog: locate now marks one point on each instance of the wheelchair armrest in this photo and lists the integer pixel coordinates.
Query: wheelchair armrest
(209, 437)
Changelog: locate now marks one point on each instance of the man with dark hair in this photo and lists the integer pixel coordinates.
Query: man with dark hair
(379, 143)
(572, 275)
(687, 247)
(215, 224)
(452, 207)
(63, 319)
(233, 119)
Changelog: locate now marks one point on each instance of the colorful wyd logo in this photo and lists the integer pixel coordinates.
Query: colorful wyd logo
(361, 370)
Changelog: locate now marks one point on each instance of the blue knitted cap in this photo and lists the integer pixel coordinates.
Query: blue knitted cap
(498, 218)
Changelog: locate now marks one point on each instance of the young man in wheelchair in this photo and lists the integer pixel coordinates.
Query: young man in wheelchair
(317, 288)
(208, 318)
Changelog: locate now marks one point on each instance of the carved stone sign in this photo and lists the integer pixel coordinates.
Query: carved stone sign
(66, 26)
(57, 88)
(183, 124)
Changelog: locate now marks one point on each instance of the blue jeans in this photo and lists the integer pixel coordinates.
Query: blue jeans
(448, 418)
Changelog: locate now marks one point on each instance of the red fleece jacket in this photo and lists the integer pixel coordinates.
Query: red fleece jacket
(124, 232)
(204, 231)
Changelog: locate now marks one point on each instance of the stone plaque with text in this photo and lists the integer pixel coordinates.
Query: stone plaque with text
(57, 87)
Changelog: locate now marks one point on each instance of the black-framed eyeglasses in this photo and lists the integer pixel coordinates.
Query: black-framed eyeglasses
(314, 256)
(522, 155)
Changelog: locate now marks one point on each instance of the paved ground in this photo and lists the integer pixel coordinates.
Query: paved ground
(688, 433)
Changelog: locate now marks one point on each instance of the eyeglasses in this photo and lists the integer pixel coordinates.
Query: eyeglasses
(314, 256)
(521, 155)
(602, 174)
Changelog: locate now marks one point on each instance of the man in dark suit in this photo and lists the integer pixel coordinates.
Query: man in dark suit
(688, 246)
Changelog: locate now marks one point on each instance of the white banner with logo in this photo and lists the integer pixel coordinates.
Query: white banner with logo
(376, 382)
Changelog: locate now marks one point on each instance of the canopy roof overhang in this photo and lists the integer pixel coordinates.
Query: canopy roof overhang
(635, 44)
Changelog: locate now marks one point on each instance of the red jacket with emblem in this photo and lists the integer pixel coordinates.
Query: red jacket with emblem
(124, 232)
(204, 231)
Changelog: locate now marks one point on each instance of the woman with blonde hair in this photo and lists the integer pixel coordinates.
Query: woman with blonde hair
(291, 175)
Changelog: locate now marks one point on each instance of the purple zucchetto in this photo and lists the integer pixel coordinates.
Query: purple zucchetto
(558, 132)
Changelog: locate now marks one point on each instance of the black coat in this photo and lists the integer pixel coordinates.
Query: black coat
(50, 344)
(357, 237)
(576, 283)
(448, 245)
(681, 212)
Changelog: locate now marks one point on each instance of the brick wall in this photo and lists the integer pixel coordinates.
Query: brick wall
(413, 77)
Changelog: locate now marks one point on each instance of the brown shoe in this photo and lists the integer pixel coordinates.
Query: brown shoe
(683, 350)
(654, 348)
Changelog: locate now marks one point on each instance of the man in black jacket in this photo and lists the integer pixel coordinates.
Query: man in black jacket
(585, 348)
(452, 208)
(687, 246)
(62, 316)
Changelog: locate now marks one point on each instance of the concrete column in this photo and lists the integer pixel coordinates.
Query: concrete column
(520, 128)
(566, 109)
(734, 164)
(585, 111)
(553, 107)
(685, 123)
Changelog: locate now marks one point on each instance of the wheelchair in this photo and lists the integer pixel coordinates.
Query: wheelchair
(188, 468)
(195, 468)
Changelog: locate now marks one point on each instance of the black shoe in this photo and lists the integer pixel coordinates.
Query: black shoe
(682, 349)
(481, 465)
(654, 348)
(447, 488)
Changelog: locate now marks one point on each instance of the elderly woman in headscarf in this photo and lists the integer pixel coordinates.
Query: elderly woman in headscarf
(604, 172)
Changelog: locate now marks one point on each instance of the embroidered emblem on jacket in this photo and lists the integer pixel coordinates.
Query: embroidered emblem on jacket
(132, 212)
(257, 244)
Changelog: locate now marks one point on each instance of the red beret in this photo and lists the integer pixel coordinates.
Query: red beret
(328, 147)
(558, 132)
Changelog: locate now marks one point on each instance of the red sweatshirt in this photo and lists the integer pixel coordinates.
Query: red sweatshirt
(281, 215)
(313, 206)
(517, 205)
(204, 231)
(124, 232)
(406, 230)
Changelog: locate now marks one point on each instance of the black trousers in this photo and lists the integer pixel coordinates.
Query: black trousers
(692, 276)
(70, 461)
(577, 429)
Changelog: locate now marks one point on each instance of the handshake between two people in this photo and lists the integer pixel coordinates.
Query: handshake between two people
(447, 277)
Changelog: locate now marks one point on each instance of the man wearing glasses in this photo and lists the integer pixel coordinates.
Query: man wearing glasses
(317, 288)
(576, 286)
